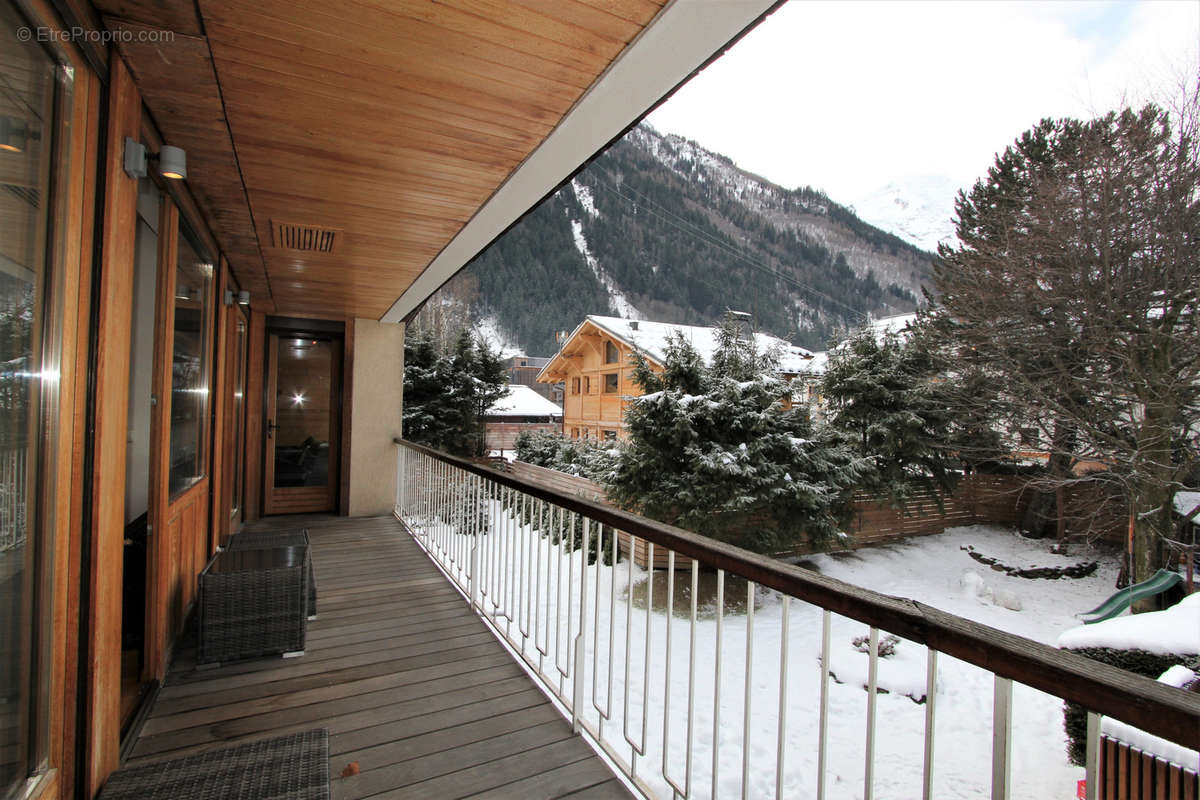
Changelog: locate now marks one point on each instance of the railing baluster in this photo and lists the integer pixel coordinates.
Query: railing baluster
(1092, 758)
(577, 702)
(686, 789)
(666, 744)
(635, 747)
(716, 731)
(930, 712)
(748, 689)
(823, 723)
(1001, 737)
(781, 742)
(872, 682)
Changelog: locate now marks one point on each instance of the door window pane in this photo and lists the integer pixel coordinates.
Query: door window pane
(303, 412)
(189, 367)
(31, 119)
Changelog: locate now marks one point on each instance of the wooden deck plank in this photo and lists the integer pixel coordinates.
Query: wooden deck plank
(410, 683)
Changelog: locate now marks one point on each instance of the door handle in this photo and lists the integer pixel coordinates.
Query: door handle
(271, 426)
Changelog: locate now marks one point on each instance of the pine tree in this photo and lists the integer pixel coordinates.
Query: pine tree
(885, 402)
(716, 451)
(447, 393)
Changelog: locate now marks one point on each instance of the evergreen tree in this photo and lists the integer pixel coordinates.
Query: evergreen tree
(715, 450)
(447, 393)
(885, 401)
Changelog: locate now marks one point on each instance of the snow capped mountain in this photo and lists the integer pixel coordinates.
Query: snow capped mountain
(918, 209)
(659, 228)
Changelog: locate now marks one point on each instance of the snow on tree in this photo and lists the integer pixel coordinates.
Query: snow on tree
(884, 396)
(714, 450)
(447, 391)
(1075, 287)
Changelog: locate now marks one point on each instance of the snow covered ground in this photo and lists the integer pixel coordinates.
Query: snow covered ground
(935, 570)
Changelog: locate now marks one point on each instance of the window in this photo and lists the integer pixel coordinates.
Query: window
(611, 354)
(609, 436)
(34, 106)
(574, 385)
(190, 367)
(587, 384)
(610, 383)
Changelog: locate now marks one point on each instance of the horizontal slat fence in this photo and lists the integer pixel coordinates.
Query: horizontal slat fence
(987, 499)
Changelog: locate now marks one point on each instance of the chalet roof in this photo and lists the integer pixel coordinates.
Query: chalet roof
(897, 323)
(652, 339)
(1186, 502)
(521, 401)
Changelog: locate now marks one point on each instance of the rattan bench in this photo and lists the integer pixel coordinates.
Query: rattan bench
(253, 603)
(254, 540)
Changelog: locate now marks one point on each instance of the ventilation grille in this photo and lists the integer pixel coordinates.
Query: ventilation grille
(312, 238)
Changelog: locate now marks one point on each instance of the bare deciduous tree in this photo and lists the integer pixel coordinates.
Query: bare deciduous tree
(1075, 284)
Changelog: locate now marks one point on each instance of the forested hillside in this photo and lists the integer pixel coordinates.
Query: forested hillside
(659, 228)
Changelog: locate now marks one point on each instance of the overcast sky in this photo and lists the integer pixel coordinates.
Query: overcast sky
(849, 96)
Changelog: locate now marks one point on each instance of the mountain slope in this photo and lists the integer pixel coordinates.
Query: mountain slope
(660, 228)
(918, 209)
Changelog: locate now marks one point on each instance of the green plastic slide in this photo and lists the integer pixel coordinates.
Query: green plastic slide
(1157, 583)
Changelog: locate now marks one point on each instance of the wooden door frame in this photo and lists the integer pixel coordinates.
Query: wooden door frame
(102, 573)
(157, 552)
(306, 500)
(233, 448)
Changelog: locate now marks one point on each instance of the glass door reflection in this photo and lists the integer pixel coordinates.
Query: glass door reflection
(301, 430)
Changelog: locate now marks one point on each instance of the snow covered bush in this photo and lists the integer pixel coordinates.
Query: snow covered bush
(585, 458)
(886, 646)
(1148, 644)
(714, 450)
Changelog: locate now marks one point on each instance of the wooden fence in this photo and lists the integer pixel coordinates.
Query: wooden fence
(1127, 773)
(987, 499)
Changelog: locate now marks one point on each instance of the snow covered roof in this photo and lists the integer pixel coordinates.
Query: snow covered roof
(652, 339)
(1186, 502)
(522, 401)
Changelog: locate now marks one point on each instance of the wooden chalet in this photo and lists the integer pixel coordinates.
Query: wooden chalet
(595, 364)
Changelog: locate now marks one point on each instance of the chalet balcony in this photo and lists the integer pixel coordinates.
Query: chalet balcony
(411, 685)
(403, 665)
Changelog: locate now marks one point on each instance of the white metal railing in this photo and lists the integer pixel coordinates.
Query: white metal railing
(13, 488)
(739, 696)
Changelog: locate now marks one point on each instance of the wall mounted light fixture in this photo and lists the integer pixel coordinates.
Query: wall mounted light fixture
(172, 161)
(243, 298)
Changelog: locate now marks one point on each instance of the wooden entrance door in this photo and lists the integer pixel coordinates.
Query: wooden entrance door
(301, 423)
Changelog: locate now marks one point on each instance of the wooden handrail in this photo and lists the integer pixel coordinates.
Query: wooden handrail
(1136, 700)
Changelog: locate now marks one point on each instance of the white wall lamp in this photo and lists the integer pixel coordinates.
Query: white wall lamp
(242, 297)
(172, 161)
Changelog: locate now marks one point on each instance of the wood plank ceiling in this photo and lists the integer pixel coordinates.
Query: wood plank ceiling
(388, 123)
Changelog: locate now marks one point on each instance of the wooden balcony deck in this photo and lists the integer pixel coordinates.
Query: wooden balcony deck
(411, 685)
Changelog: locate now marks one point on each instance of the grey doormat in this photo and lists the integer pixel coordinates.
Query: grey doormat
(294, 767)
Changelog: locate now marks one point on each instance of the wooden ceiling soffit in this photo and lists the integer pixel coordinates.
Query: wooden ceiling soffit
(179, 85)
(675, 43)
